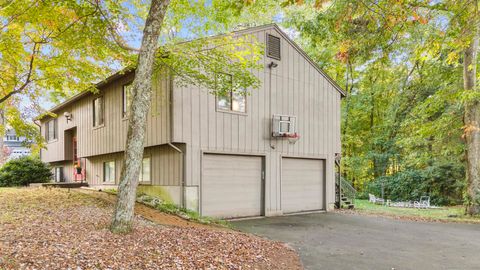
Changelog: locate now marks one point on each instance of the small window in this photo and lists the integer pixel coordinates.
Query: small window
(273, 47)
(145, 173)
(127, 99)
(227, 99)
(98, 111)
(109, 172)
(51, 130)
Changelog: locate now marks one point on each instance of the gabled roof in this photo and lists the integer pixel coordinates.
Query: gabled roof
(300, 50)
(122, 72)
(84, 93)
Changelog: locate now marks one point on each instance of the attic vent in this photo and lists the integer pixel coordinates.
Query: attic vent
(273, 47)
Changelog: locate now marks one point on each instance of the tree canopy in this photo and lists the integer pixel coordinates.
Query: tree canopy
(401, 64)
(408, 119)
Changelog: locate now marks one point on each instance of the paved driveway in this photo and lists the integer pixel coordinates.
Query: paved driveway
(337, 241)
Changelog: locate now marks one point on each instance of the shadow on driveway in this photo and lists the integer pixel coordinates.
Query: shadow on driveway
(339, 241)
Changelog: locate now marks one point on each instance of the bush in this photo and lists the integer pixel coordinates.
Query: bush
(23, 171)
(443, 182)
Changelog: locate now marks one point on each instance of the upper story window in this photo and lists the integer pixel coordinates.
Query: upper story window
(51, 130)
(127, 98)
(98, 111)
(227, 99)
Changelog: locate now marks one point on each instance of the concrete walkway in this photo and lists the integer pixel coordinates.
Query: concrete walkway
(339, 241)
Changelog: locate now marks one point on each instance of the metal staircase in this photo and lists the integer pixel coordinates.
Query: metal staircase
(345, 193)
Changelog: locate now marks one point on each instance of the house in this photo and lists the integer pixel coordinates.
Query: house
(16, 146)
(270, 152)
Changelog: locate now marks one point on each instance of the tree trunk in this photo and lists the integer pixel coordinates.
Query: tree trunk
(348, 88)
(140, 104)
(472, 127)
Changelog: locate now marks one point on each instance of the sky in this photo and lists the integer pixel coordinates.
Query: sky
(132, 33)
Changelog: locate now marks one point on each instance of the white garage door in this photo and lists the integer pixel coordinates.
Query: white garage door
(303, 182)
(231, 186)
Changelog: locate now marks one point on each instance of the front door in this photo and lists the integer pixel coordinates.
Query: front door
(78, 167)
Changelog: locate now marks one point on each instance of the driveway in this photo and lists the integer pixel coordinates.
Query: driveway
(340, 241)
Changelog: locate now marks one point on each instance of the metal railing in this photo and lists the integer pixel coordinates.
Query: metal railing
(347, 190)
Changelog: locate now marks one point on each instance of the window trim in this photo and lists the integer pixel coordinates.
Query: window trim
(149, 182)
(114, 172)
(124, 101)
(55, 130)
(231, 111)
(103, 112)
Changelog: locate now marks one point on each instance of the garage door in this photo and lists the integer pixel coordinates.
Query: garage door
(231, 186)
(303, 182)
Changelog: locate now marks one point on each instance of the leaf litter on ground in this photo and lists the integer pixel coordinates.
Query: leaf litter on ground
(61, 229)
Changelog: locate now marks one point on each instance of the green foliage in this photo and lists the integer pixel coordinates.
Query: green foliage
(23, 171)
(173, 209)
(440, 182)
(51, 50)
(199, 62)
(400, 62)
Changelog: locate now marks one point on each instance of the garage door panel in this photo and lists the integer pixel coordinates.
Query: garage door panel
(231, 186)
(303, 182)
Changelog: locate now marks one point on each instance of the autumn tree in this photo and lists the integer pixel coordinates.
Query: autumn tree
(409, 68)
(141, 95)
(194, 62)
(50, 48)
(472, 107)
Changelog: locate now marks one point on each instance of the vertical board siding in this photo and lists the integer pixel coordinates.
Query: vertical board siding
(166, 166)
(297, 89)
(112, 136)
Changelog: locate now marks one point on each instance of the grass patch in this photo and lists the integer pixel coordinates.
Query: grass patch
(447, 214)
(173, 209)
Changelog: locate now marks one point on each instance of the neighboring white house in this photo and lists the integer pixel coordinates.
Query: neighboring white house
(15, 145)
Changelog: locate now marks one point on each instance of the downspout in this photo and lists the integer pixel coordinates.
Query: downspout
(183, 173)
(170, 143)
(271, 66)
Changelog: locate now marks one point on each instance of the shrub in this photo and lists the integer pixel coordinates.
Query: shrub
(23, 171)
(443, 182)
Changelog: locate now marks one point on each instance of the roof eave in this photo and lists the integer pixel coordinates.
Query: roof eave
(116, 75)
(309, 59)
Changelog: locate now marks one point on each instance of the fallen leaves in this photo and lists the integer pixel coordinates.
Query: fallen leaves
(55, 229)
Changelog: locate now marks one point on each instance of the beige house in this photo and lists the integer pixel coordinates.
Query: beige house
(234, 156)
